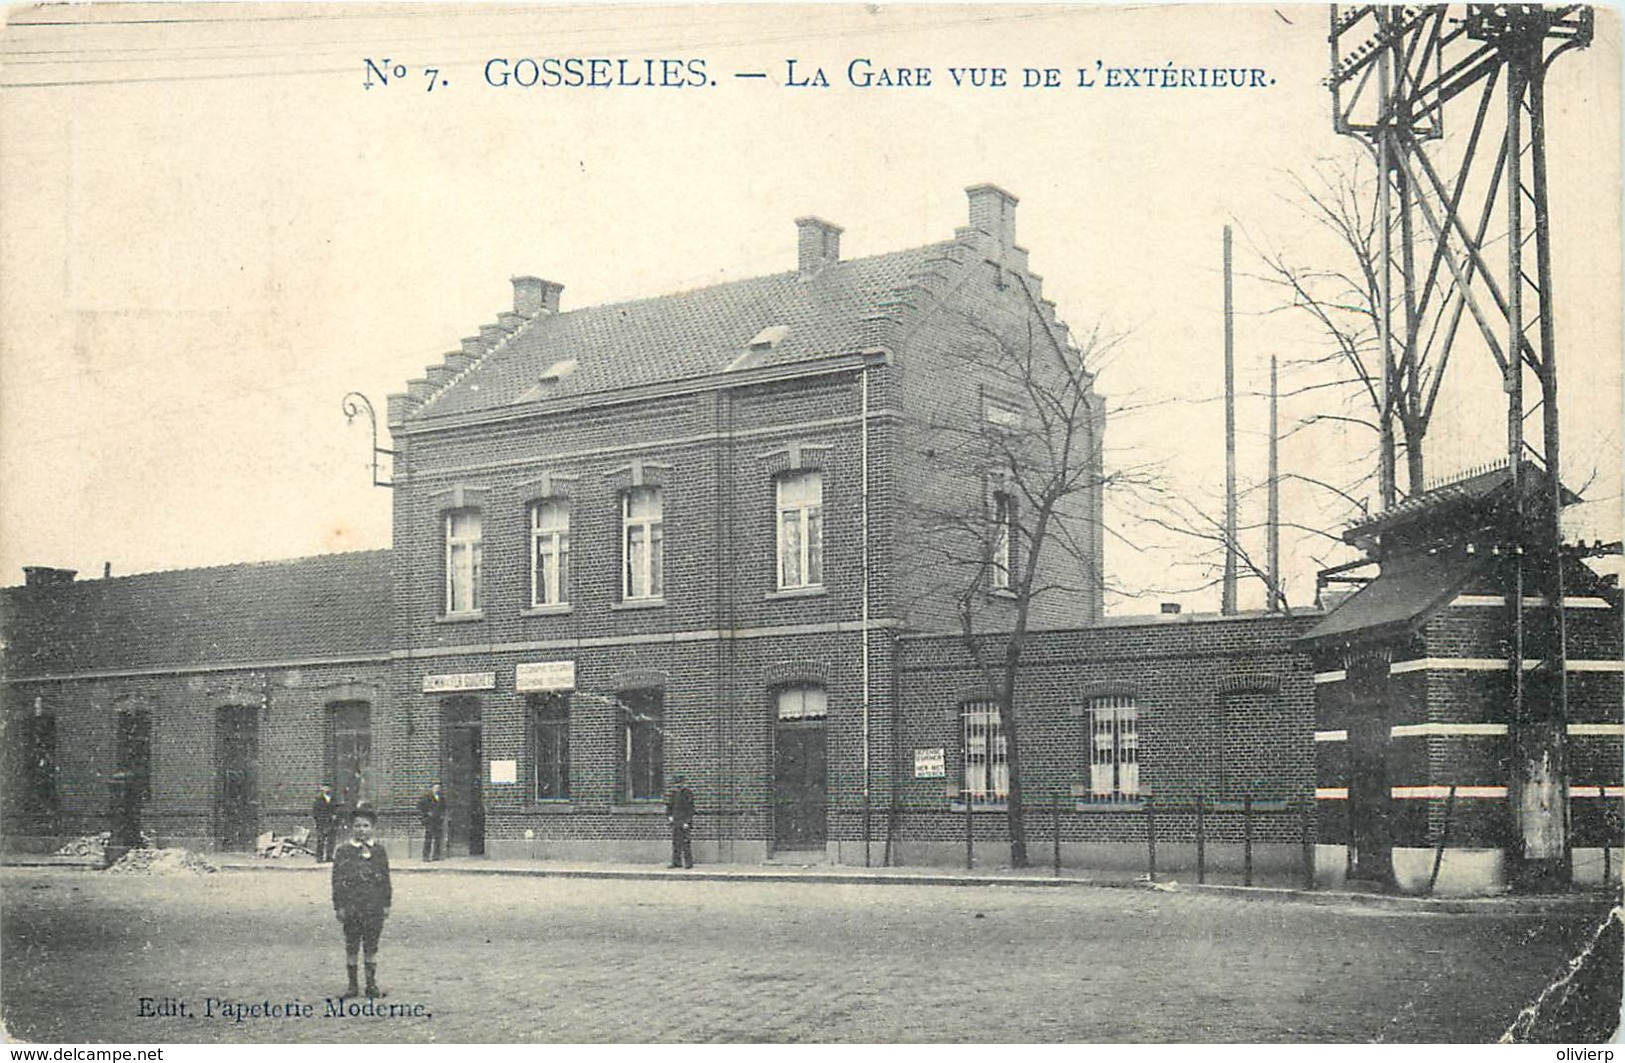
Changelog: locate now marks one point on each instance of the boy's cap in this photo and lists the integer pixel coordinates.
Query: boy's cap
(364, 810)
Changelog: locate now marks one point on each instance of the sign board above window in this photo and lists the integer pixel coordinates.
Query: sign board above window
(539, 676)
(450, 682)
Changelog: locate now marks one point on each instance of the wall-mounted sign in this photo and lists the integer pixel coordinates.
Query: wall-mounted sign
(544, 675)
(448, 682)
(504, 771)
(930, 763)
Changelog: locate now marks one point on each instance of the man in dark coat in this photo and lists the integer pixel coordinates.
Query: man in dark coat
(432, 807)
(680, 814)
(361, 896)
(326, 813)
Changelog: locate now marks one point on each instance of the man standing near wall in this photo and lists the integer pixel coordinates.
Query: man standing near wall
(432, 807)
(325, 812)
(680, 814)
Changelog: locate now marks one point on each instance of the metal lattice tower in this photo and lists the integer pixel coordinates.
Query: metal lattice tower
(1477, 208)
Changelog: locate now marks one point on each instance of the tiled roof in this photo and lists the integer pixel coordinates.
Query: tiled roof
(1408, 591)
(1475, 491)
(841, 309)
(335, 605)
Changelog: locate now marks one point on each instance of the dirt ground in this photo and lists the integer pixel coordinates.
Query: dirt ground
(512, 959)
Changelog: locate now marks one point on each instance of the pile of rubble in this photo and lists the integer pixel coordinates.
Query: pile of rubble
(162, 862)
(272, 846)
(96, 844)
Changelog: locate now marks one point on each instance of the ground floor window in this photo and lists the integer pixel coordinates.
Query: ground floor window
(550, 745)
(987, 763)
(1114, 749)
(642, 747)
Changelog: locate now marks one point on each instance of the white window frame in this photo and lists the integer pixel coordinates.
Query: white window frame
(805, 517)
(459, 545)
(643, 575)
(1004, 505)
(985, 753)
(1114, 748)
(550, 552)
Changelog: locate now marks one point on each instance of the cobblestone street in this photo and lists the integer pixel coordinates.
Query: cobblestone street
(498, 958)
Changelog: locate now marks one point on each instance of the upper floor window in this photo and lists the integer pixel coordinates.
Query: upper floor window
(1002, 554)
(550, 552)
(801, 530)
(463, 561)
(1114, 750)
(642, 543)
(987, 763)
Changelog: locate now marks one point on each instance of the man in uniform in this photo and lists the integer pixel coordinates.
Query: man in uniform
(361, 896)
(432, 807)
(325, 811)
(680, 814)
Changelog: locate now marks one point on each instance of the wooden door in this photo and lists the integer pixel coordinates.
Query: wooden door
(465, 813)
(237, 814)
(800, 781)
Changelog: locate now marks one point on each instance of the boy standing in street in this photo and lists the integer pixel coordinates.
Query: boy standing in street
(361, 896)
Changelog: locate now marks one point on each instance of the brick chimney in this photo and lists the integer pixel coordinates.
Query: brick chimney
(42, 576)
(993, 211)
(532, 296)
(818, 245)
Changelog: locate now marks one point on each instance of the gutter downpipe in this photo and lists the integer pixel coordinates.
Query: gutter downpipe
(864, 446)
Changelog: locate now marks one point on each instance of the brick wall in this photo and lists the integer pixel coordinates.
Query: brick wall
(289, 705)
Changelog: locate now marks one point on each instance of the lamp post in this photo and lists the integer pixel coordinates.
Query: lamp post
(355, 404)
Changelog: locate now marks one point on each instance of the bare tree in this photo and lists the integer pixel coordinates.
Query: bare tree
(1389, 323)
(1005, 510)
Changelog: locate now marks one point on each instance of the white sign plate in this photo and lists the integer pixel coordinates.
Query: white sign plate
(447, 682)
(930, 763)
(544, 675)
(504, 771)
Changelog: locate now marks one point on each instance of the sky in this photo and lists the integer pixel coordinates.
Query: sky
(212, 229)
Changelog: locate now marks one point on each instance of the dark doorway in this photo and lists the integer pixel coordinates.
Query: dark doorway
(1370, 837)
(465, 809)
(237, 812)
(349, 751)
(799, 782)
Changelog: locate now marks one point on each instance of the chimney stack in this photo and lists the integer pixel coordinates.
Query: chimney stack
(993, 211)
(532, 296)
(44, 576)
(819, 245)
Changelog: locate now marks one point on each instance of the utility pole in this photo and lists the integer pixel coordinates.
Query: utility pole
(1228, 602)
(1277, 599)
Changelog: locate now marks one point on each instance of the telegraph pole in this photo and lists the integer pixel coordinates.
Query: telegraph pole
(1228, 602)
(1273, 562)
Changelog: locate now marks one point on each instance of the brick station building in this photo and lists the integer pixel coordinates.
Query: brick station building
(680, 535)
